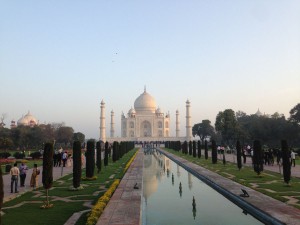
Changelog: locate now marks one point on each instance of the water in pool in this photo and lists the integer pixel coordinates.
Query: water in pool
(165, 203)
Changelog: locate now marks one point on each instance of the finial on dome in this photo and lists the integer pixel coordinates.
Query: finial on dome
(145, 89)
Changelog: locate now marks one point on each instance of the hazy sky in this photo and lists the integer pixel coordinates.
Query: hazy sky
(59, 59)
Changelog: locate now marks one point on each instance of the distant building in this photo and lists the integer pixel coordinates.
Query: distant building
(145, 122)
(27, 120)
(258, 113)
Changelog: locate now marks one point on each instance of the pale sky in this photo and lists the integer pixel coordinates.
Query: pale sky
(59, 59)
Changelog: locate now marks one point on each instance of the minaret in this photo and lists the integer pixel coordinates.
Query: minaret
(177, 123)
(188, 122)
(102, 122)
(112, 124)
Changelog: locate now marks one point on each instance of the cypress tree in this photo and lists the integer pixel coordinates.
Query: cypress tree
(184, 147)
(214, 154)
(190, 148)
(199, 149)
(238, 155)
(106, 154)
(98, 157)
(257, 157)
(194, 149)
(76, 164)
(205, 149)
(47, 174)
(90, 158)
(286, 164)
(115, 152)
(1, 192)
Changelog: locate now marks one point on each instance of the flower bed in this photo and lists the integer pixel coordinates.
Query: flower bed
(130, 161)
(98, 208)
(7, 161)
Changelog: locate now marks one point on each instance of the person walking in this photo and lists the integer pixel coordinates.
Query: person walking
(14, 172)
(64, 158)
(34, 181)
(23, 169)
(293, 158)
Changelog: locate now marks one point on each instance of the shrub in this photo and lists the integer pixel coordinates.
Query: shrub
(214, 154)
(76, 164)
(47, 175)
(36, 155)
(4, 155)
(19, 155)
(90, 158)
(98, 159)
(286, 164)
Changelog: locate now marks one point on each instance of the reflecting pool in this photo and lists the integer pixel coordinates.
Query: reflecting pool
(168, 192)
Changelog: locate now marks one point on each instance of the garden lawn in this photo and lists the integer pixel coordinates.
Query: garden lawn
(268, 183)
(65, 202)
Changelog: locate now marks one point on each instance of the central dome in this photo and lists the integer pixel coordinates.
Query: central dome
(145, 102)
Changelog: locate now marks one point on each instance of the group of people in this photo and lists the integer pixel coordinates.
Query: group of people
(60, 157)
(21, 172)
(269, 156)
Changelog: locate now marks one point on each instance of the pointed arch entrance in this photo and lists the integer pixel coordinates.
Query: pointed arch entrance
(146, 129)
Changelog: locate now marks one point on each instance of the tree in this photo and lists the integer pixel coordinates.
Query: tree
(239, 154)
(106, 154)
(194, 149)
(205, 149)
(90, 158)
(98, 157)
(79, 137)
(1, 191)
(203, 130)
(76, 164)
(286, 164)
(226, 123)
(214, 154)
(258, 156)
(199, 149)
(47, 174)
(64, 135)
(190, 148)
(295, 114)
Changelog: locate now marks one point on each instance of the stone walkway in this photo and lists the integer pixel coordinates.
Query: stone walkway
(58, 172)
(124, 208)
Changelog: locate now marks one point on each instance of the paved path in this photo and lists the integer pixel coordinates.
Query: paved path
(57, 171)
(295, 171)
(124, 208)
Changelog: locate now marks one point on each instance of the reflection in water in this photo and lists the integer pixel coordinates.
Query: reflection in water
(194, 207)
(163, 206)
(178, 172)
(190, 181)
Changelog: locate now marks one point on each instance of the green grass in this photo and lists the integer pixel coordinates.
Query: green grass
(31, 213)
(269, 183)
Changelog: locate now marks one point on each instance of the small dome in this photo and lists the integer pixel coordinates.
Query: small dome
(27, 120)
(145, 102)
(158, 110)
(131, 111)
(258, 113)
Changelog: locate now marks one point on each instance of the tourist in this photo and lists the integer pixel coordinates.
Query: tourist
(34, 181)
(293, 158)
(14, 172)
(64, 158)
(23, 169)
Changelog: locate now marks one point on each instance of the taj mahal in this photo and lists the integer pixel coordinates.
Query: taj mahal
(145, 122)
